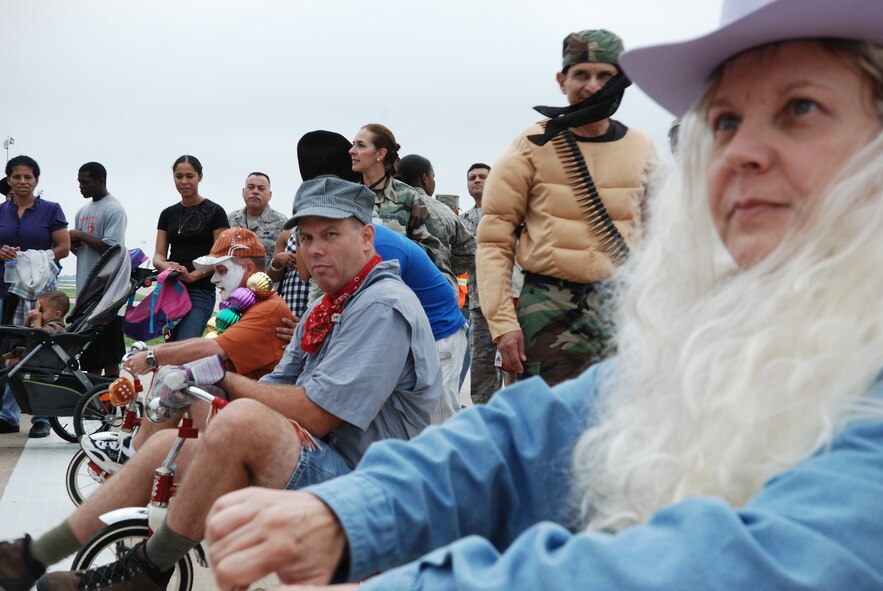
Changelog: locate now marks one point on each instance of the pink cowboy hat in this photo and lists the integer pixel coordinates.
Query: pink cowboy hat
(673, 74)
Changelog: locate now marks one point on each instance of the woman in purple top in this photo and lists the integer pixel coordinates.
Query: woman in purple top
(27, 222)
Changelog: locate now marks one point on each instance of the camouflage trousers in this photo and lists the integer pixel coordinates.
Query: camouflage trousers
(567, 327)
(484, 377)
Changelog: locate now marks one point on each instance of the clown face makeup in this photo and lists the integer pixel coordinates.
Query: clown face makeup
(228, 276)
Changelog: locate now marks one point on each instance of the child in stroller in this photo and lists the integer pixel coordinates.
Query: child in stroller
(48, 315)
(48, 380)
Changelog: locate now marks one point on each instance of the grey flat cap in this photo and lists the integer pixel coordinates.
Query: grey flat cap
(335, 199)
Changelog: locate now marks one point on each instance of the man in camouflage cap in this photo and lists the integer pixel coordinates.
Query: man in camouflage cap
(564, 201)
(591, 46)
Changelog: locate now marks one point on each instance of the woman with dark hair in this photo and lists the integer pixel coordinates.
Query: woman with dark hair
(417, 171)
(186, 231)
(375, 155)
(27, 223)
(455, 257)
(457, 253)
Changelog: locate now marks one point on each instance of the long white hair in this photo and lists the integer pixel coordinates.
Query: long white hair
(727, 376)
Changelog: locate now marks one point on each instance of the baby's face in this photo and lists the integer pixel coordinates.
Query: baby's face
(47, 312)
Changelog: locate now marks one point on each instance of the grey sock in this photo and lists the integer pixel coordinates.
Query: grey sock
(165, 547)
(56, 544)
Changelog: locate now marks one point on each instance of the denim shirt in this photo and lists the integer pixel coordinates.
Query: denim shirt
(481, 502)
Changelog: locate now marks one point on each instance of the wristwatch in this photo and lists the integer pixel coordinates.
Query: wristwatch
(151, 359)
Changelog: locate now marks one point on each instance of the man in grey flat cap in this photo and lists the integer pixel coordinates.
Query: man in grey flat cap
(362, 367)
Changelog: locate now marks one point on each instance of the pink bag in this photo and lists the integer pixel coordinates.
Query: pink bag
(159, 311)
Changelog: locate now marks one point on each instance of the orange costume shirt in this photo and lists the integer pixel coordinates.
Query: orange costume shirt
(251, 345)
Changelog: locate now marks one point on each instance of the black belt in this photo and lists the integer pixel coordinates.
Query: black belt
(554, 281)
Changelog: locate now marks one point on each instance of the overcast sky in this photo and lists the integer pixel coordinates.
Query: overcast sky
(135, 84)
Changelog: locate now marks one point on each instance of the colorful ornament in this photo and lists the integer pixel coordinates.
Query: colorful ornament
(225, 319)
(259, 287)
(261, 284)
(240, 300)
(211, 330)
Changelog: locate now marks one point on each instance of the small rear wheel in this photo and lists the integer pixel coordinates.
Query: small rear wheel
(112, 542)
(83, 477)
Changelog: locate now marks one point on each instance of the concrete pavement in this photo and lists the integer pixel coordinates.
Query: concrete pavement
(34, 498)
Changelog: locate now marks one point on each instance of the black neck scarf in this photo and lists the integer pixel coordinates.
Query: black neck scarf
(595, 108)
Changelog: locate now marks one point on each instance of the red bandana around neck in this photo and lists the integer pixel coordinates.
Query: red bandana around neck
(321, 320)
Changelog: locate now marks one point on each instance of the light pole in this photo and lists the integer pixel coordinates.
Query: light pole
(6, 143)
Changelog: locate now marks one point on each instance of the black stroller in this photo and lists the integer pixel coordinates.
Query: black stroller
(48, 380)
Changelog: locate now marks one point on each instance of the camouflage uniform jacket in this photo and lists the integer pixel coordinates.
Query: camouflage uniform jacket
(457, 253)
(268, 228)
(400, 208)
(530, 185)
(470, 219)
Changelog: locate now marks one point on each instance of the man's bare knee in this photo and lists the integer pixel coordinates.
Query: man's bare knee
(240, 421)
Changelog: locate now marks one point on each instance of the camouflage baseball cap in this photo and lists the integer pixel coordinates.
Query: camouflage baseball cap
(591, 45)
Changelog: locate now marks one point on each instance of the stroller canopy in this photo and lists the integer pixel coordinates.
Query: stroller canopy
(106, 290)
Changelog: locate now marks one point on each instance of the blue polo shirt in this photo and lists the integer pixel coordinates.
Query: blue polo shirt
(33, 231)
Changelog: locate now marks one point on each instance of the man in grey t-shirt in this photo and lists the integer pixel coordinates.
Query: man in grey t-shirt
(100, 224)
(362, 367)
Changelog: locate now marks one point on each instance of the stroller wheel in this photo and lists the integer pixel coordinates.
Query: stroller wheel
(94, 413)
(64, 428)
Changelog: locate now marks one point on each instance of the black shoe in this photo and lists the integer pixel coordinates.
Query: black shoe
(132, 572)
(18, 570)
(7, 427)
(39, 430)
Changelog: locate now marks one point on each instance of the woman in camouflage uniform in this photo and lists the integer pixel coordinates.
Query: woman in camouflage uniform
(375, 154)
